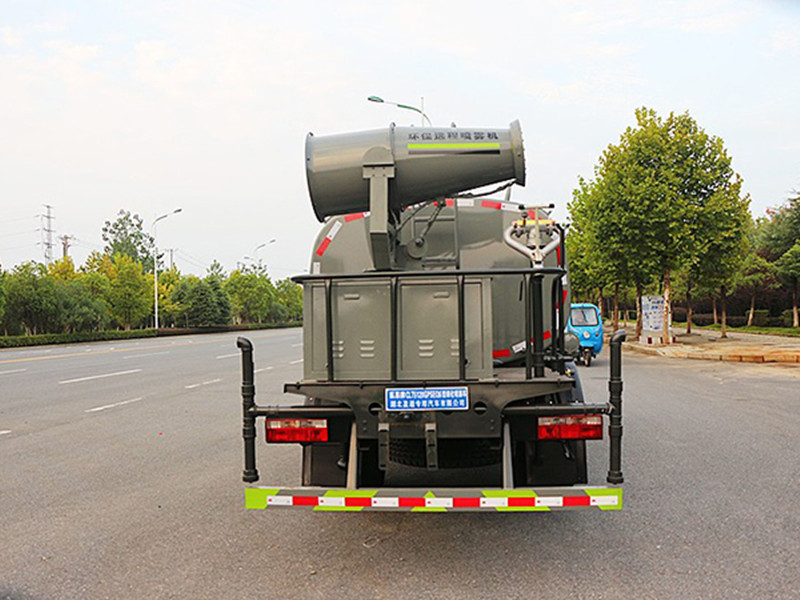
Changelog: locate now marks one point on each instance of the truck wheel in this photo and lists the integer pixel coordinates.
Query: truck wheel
(587, 357)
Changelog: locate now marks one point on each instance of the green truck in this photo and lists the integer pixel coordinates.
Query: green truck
(434, 338)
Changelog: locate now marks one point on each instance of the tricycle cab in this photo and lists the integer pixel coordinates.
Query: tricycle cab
(586, 323)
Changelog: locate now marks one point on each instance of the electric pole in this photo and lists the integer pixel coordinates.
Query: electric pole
(66, 242)
(47, 233)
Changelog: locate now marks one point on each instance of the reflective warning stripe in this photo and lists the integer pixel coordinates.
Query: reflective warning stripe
(337, 225)
(533, 499)
(354, 217)
(519, 346)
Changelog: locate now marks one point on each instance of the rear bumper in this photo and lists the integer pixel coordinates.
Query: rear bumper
(435, 500)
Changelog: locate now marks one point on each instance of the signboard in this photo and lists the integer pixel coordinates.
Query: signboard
(441, 398)
(653, 318)
(653, 313)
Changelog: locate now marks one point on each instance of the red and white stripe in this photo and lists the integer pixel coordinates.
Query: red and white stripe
(399, 502)
(337, 225)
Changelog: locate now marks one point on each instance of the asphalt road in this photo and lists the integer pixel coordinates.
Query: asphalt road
(120, 473)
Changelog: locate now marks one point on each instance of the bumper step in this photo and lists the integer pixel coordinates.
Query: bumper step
(435, 500)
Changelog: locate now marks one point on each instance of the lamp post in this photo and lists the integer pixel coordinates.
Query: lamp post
(155, 261)
(420, 110)
(254, 258)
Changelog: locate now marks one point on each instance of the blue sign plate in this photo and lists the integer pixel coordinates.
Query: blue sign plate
(440, 398)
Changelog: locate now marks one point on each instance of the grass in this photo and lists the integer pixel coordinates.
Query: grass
(784, 331)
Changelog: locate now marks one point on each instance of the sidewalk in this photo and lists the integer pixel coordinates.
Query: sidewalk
(737, 347)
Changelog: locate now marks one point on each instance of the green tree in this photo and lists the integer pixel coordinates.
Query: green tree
(130, 295)
(660, 200)
(33, 303)
(789, 269)
(252, 295)
(290, 296)
(2, 294)
(757, 274)
(126, 236)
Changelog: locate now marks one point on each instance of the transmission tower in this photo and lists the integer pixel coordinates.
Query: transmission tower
(47, 233)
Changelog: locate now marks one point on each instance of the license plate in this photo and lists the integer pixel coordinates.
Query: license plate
(440, 398)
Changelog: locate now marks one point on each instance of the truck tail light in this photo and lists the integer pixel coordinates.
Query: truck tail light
(297, 430)
(571, 427)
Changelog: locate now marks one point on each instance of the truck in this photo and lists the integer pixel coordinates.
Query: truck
(434, 339)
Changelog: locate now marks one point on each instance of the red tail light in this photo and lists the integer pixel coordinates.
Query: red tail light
(297, 430)
(571, 427)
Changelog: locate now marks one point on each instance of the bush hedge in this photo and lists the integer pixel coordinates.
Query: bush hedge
(17, 341)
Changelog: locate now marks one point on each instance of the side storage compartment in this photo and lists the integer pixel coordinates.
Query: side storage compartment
(426, 329)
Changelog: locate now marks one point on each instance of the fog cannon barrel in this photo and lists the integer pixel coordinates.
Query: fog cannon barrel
(429, 162)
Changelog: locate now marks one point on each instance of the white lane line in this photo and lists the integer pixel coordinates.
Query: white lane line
(296, 362)
(99, 408)
(197, 385)
(297, 345)
(103, 376)
(13, 371)
(263, 369)
(5, 431)
(143, 355)
(228, 355)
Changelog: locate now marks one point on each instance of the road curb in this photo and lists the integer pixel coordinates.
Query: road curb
(675, 351)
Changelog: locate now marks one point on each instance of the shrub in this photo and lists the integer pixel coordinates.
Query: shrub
(15, 341)
(760, 317)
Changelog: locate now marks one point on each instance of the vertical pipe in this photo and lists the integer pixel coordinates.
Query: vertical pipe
(538, 326)
(250, 473)
(329, 326)
(462, 360)
(554, 312)
(615, 399)
(528, 328)
(393, 326)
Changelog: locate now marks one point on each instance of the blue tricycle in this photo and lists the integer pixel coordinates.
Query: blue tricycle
(586, 324)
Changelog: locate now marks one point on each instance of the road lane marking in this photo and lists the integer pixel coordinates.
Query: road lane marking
(99, 408)
(297, 345)
(103, 376)
(13, 371)
(143, 355)
(296, 362)
(197, 385)
(227, 355)
(5, 431)
(263, 369)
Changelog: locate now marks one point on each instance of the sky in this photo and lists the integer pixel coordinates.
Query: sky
(204, 106)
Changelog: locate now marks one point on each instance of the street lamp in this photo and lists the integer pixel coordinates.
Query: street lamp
(260, 246)
(155, 261)
(420, 110)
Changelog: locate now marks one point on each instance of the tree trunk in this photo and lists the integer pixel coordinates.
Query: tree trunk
(714, 308)
(723, 304)
(689, 306)
(666, 335)
(616, 307)
(795, 320)
(600, 304)
(752, 309)
(638, 310)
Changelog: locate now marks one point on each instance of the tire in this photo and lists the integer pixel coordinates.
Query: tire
(453, 454)
(587, 357)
